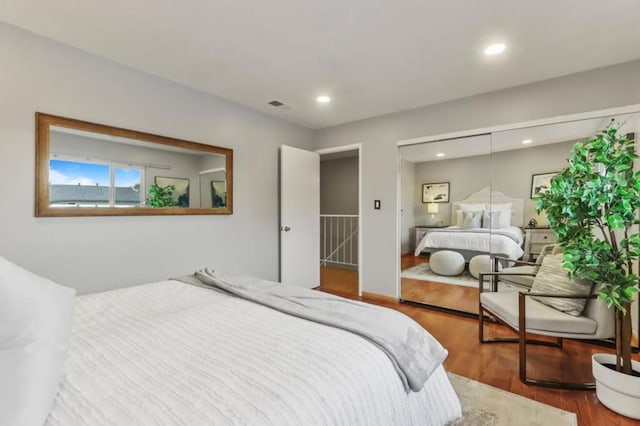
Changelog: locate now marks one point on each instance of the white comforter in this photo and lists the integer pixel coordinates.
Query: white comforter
(504, 241)
(169, 353)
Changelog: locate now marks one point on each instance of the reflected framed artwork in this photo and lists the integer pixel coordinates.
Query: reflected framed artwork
(180, 191)
(541, 183)
(218, 193)
(435, 192)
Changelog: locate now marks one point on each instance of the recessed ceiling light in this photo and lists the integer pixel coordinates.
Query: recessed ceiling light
(526, 141)
(494, 49)
(323, 99)
(440, 154)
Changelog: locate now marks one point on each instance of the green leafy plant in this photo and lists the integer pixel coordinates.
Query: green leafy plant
(592, 205)
(161, 196)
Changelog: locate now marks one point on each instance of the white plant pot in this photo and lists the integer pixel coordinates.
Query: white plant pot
(618, 392)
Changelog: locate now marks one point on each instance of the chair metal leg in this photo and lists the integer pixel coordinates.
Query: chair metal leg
(522, 348)
(480, 324)
(494, 278)
(522, 339)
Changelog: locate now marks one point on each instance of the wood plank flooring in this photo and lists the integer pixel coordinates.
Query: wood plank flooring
(497, 364)
(339, 281)
(449, 296)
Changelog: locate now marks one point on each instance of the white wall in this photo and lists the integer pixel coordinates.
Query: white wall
(98, 253)
(598, 89)
(339, 186)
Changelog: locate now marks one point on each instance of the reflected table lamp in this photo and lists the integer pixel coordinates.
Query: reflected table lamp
(432, 209)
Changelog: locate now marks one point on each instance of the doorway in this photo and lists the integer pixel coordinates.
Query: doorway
(340, 230)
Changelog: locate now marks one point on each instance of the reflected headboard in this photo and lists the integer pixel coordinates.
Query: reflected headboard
(486, 196)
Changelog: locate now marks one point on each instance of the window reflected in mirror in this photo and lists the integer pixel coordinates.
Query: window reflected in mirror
(91, 184)
(92, 169)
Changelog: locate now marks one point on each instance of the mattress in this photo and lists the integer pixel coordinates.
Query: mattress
(504, 241)
(169, 353)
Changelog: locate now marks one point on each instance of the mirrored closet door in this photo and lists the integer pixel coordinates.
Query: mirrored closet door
(445, 191)
(469, 201)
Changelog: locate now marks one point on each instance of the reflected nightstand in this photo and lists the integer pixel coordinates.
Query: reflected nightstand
(535, 239)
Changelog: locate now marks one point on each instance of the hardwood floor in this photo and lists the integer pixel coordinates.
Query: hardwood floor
(497, 364)
(449, 296)
(343, 282)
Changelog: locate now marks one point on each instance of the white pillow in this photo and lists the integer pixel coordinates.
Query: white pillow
(492, 219)
(35, 324)
(505, 217)
(459, 218)
(466, 207)
(471, 219)
(552, 278)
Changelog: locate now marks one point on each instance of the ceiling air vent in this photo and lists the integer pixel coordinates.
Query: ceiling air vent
(280, 105)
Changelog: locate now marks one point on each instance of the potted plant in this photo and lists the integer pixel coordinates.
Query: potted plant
(592, 206)
(161, 196)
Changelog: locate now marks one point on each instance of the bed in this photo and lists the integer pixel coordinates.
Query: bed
(174, 353)
(498, 232)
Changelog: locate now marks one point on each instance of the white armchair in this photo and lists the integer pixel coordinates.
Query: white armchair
(523, 313)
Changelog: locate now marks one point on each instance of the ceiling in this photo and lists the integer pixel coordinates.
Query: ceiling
(580, 130)
(371, 56)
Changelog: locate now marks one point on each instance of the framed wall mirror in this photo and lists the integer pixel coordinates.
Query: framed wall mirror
(89, 169)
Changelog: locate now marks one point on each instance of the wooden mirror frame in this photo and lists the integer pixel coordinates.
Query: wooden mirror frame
(42, 207)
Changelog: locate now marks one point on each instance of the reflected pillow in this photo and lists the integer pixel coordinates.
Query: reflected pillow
(459, 218)
(548, 249)
(491, 220)
(505, 217)
(35, 325)
(471, 219)
(467, 207)
(552, 278)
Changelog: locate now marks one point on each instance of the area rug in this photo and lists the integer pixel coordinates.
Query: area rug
(424, 273)
(484, 405)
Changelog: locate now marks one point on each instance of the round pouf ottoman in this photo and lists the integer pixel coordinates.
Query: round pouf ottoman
(446, 262)
(480, 264)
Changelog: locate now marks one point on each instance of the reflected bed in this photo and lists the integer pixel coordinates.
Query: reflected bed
(506, 242)
(486, 222)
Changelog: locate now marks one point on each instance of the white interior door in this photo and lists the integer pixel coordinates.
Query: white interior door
(299, 217)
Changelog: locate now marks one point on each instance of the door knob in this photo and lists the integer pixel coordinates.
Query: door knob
(285, 228)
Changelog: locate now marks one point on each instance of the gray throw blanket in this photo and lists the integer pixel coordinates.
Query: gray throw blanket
(414, 353)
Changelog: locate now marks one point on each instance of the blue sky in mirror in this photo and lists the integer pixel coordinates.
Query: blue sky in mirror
(62, 172)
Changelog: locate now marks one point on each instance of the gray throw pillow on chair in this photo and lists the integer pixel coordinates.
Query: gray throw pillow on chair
(552, 278)
(548, 249)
